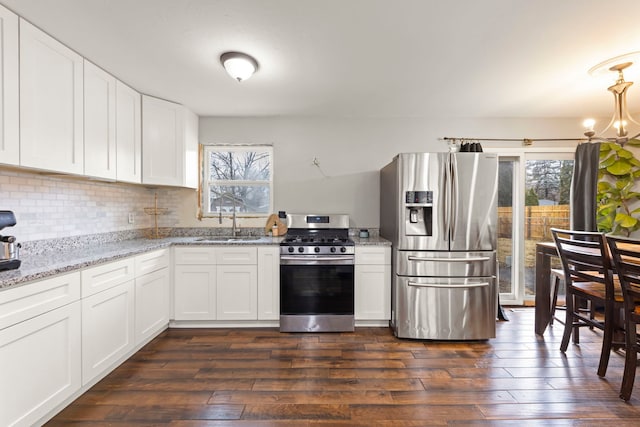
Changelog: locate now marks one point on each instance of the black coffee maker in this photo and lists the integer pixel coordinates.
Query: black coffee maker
(9, 256)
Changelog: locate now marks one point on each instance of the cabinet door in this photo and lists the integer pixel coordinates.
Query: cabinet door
(9, 105)
(269, 283)
(107, 329)
(152, 304)
(194, 292)
(372, 292)
(99, 122)
(40, 365)
(162, 142)
(51, 97)
(191, 165)
(128, 134)
(237, 293)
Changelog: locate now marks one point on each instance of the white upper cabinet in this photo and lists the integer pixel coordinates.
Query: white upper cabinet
(162, 141)
(51, 103)
(191, 165)
(169, 143)
(9, 106)
(99, 122)
(128, 134)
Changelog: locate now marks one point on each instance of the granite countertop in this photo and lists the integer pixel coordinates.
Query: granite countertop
(46, 264)
(42, 265)
(370, 241)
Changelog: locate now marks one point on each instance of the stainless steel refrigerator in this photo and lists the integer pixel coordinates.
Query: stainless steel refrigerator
(439, 210)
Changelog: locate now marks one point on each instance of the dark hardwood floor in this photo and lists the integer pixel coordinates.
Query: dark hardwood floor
(260, 377)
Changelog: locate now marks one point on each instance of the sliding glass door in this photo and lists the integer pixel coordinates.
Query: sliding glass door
(533, 196)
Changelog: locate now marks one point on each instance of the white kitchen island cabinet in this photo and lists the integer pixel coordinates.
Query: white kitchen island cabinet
(373, 285)
(128, 134)
(9, 103)
(51, 103)
(99, 122)
(40, 348)
(169, 144)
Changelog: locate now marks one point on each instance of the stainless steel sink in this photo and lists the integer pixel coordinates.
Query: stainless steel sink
(224, 239)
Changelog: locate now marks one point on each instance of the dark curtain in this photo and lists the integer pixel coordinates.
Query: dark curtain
(584, 186)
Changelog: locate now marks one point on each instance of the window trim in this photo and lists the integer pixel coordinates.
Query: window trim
(203, 183)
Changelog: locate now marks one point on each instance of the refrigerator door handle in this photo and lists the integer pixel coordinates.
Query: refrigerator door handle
(449, 286)
(447, 196)
(433, 259)
(453, 202)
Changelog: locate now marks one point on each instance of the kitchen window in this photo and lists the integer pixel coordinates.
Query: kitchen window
(237, 178)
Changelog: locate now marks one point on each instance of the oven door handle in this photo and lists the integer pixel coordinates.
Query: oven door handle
(302, 259)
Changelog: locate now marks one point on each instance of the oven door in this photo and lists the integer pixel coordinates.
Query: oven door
(316, 293)
(316, 285)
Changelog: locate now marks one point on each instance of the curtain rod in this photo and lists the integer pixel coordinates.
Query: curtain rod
(525, 141)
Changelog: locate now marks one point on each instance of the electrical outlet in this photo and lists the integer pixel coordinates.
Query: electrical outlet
(132, 217)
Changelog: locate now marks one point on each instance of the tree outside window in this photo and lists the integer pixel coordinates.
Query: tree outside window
(237, 178)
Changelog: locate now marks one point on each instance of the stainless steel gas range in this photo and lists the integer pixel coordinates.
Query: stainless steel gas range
(317, 260)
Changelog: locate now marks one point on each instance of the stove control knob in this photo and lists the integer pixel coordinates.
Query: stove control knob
(343, 249)
(333, 249)
(290, 248)
(301, 249)
(316, 249)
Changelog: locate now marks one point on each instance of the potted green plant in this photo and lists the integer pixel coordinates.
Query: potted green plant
(616, 192)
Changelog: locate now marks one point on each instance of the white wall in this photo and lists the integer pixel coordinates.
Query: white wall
(350, 153)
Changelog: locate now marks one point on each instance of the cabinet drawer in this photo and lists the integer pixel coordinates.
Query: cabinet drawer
(105, 276)
(36, 298)
(373, 255)
(152, 261)
(195, 255)
(237, 255)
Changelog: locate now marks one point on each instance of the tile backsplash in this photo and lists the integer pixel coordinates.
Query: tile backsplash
(54, 206)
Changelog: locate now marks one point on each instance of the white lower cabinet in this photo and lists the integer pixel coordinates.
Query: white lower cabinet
(373, 283)
(107, 329)
(194, 296)
(40, 365)
(226, 283)
(268, 283)
(237, 292)
(152, 304)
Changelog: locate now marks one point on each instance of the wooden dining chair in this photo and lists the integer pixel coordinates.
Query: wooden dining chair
(588, 278)
(625, 255)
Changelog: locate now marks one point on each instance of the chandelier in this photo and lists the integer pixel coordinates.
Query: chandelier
(621, 119)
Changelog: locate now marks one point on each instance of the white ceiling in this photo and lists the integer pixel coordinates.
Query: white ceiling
(357, 58)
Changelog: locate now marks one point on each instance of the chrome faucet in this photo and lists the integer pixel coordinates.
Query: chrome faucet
(234, 225)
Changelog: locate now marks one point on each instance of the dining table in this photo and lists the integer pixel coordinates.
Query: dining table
(545, 251)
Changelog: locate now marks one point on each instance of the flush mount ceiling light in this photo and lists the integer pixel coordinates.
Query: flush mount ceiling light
(239, 65)
(621, 117)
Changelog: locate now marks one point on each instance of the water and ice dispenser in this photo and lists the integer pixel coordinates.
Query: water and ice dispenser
(418, 213)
